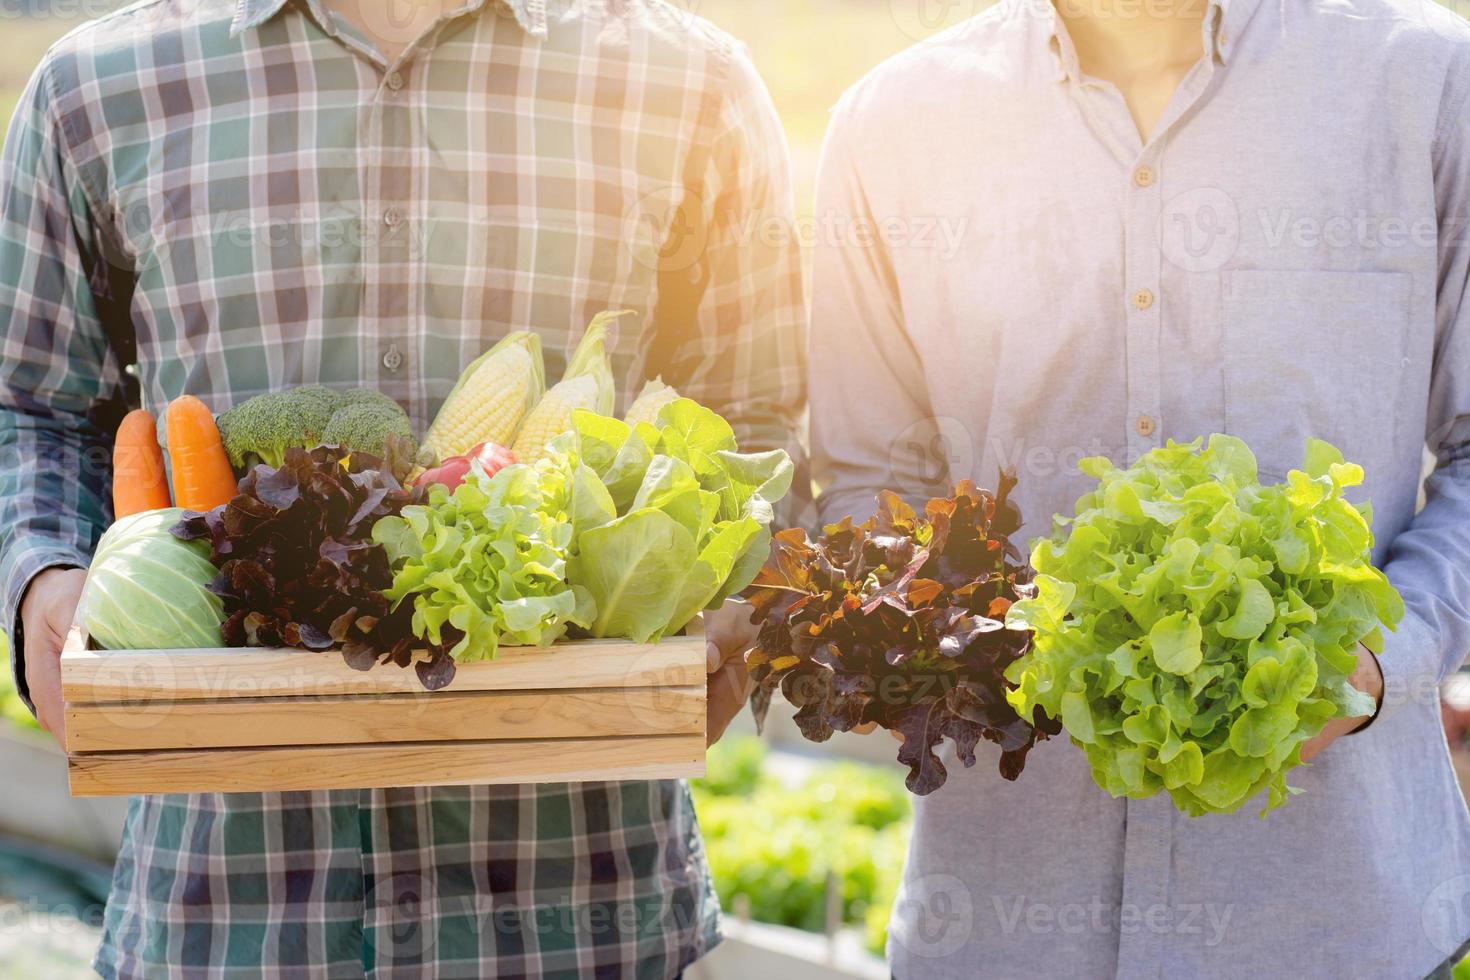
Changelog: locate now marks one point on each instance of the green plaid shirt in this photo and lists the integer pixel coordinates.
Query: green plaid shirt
(222, 200)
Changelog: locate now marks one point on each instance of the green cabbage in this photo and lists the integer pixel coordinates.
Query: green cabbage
(1194, 628)
(147, 590)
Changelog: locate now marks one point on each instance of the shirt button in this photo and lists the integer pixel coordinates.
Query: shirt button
(392, 358)
(1143, 177)
(1143, 299)
(392, 217)
(395, 81)
(1144, 426)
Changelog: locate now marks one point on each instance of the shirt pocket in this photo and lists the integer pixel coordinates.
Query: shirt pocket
(1312, 354)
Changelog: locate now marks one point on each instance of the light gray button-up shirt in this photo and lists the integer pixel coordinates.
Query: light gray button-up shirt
(1009, 276)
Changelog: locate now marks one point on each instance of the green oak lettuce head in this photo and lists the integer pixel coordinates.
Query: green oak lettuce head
(1194, 628)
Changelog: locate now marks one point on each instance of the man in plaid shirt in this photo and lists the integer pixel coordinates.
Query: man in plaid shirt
(225, 198)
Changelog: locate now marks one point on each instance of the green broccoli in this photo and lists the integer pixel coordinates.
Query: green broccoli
(265, 426)
(366, 396)
(364, 426)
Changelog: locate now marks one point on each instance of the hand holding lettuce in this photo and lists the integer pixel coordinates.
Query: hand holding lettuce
(1194, 628)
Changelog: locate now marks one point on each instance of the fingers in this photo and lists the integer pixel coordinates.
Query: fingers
(729, 634)
(47, 612)
(43, 677)
(729, 689)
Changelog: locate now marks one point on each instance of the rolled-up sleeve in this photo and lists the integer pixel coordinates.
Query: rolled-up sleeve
(56, 363)
(1429, 562)
(872, 425)
(730, 328)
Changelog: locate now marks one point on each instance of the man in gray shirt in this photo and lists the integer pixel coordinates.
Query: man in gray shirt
(1176, 218)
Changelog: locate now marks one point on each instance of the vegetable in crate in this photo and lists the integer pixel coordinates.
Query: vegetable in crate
(650, 401)
(492, 397)
(671, 519)
(297, 563)
(486, 564)
(147, 590)
(587, 384)
(492, 458)
(262, 428)
(1194, 628)
(900, 622)
(202, 476)
(139, 478)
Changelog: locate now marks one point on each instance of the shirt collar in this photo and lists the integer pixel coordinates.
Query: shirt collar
(1223, 24)
(250, 14)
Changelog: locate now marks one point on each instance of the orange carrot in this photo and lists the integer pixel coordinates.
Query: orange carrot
(138, 480)
(203, 478)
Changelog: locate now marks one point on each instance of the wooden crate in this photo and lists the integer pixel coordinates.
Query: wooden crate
(233, 720)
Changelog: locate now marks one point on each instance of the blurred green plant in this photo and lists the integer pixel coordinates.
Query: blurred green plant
(12, 709)
(774, 845)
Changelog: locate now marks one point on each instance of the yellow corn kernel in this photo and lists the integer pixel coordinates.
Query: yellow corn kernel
(553, 415)
(587, 384)
(491, 398)
(650, 401)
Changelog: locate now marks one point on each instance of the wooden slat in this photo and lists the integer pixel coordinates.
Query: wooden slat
(421, 717)
(170, 675)
(380, 766)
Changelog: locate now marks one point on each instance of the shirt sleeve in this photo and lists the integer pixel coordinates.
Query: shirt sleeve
(1430, 561)
(57, 368)
(730, 327)
(872, 424)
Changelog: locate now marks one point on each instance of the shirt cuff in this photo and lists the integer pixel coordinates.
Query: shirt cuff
(21, 564)
(1408, 662)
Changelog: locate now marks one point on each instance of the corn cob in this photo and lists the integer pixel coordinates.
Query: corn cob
(650, 401)
(588, 384)
(492, 397)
